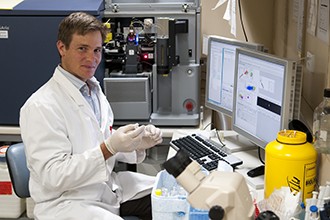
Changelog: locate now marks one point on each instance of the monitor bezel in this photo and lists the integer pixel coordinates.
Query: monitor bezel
(229, 41)
(287, 97)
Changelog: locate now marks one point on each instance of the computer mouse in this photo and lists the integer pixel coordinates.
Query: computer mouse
(258, 171)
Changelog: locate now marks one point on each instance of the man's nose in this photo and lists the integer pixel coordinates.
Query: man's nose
(91, 55)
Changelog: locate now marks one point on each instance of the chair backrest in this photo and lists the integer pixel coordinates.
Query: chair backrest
(18, 171)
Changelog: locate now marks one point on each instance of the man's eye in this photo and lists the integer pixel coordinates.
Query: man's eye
(82, 48)
(98, 50)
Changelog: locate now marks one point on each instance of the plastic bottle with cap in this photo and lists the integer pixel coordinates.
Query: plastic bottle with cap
(314, 213)
(289, 157)
(321, 124)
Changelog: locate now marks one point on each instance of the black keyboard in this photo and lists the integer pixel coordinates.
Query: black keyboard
(206, 152)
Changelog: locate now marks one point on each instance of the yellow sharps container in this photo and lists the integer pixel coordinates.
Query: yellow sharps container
(290, 161)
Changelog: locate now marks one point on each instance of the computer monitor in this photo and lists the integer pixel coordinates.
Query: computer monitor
(220, 72)
(264, 90)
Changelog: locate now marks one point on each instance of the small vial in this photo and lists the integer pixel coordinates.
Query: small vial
(165, 192)
(182, 192)
(314, 198)
(174, 191)
(320, 200)
(314, 213)
(158, 192)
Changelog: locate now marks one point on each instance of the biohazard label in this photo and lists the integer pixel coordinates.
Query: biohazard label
(304, 182)
(6, 188)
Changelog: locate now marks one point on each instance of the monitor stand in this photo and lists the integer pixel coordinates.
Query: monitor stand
(235, 142)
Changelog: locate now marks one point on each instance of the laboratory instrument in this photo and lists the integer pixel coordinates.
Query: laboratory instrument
(224, 194)
(267, 215)
(28, 53)
(151, 65)
(152, 61)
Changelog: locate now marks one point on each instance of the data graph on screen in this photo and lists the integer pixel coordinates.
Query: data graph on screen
(220, 72)
(263, 95)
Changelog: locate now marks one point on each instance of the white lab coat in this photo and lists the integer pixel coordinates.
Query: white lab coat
(69, 178)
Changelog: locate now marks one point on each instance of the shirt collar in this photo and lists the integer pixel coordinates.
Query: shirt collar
(78, 83)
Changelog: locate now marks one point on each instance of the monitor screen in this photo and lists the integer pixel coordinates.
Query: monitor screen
(220, 72)
(263, 95)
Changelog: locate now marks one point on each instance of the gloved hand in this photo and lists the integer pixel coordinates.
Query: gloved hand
(152, 136)
(125, 139)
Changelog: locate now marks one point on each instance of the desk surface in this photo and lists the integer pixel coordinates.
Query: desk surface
(10, 134)
(14, 130)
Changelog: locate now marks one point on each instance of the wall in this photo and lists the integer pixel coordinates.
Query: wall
(274, 24)
(258, 26)
(258, 30)
(286, 45)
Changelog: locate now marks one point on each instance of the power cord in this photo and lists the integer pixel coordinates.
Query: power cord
(241, 20)
(223, 144)
(216, 132)
(259, 155)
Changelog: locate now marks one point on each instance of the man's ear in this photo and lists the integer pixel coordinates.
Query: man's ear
(60, 47)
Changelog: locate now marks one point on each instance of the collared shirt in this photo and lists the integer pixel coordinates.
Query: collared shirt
(88, 90)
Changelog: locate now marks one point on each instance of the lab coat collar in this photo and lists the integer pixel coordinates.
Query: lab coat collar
(69, 87)
(76, 95)
(78, 83)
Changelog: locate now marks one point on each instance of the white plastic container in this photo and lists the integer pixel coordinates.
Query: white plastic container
(11, 205)
(168, 207)
(172, 207)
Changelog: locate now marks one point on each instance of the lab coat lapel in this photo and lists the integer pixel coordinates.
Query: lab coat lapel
(104, 107)
(106, 112)
(76, 96)
(70, 89)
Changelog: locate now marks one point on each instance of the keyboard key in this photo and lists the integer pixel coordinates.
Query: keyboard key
(204, 152)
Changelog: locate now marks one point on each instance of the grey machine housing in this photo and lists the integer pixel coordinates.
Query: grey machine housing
(166, 93)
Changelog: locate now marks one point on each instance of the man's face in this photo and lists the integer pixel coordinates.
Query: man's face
(83, 55)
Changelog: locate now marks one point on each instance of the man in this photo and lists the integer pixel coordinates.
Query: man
(70, 147)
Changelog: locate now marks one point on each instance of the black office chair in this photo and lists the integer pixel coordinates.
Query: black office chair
(19, 173)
